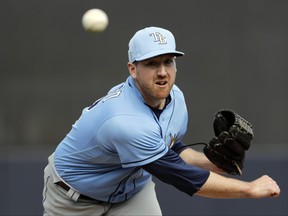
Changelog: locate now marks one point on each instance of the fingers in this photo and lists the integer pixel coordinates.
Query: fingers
(228, 147)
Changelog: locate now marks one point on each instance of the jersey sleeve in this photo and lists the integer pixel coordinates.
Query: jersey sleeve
(179, 147)
(172, 170)
(135, 139)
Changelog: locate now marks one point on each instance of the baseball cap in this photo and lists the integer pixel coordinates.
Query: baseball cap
(150, 42)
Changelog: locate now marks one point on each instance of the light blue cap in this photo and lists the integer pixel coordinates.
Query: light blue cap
(150, 42)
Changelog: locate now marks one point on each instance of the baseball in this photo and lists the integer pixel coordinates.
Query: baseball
(95, 20)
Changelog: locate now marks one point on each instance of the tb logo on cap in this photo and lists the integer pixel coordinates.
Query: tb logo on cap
(158, 37)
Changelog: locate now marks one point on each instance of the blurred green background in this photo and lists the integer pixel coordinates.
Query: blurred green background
(236, 58)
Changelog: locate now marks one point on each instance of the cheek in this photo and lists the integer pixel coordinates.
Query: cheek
(145, 77)
(173, 76)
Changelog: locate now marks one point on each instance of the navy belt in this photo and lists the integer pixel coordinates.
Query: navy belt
(84, 197)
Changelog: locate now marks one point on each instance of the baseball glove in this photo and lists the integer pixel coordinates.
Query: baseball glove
(233, 136)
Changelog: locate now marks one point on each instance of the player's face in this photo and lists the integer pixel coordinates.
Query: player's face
(154, 78)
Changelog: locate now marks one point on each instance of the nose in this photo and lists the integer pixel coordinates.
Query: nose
(161, 70)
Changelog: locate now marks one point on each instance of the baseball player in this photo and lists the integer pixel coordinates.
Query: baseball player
(104, 164)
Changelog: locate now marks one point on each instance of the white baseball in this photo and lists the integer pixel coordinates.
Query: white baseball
(95, 20)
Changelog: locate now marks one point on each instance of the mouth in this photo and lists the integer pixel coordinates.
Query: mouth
(161, 83)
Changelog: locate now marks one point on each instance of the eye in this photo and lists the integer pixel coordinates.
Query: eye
(151, 63)
(169, 61)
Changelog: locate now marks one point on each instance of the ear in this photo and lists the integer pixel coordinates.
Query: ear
(132, 69)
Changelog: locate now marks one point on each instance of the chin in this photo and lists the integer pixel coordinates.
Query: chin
(162, 96)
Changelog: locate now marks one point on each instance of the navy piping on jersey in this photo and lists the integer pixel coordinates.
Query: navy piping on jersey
(158, 112)
(123, 181)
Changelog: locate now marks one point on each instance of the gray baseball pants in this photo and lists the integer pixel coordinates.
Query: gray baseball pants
(58, 201)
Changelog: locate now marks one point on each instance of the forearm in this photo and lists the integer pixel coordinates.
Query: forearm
(196, 158)
(218, 186)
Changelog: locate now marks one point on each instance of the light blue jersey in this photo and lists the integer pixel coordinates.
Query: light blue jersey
(102, 154)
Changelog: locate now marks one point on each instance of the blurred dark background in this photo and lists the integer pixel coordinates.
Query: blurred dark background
(236, 58)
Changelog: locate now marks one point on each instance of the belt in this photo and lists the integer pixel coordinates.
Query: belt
(67, 188)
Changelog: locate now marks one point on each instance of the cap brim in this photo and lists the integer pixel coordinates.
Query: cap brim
(159, 52)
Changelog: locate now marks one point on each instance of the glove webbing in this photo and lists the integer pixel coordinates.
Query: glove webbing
(243, 124)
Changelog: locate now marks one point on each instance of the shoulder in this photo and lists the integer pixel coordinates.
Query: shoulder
(178, 95)
(129, 126)
(177, 91)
